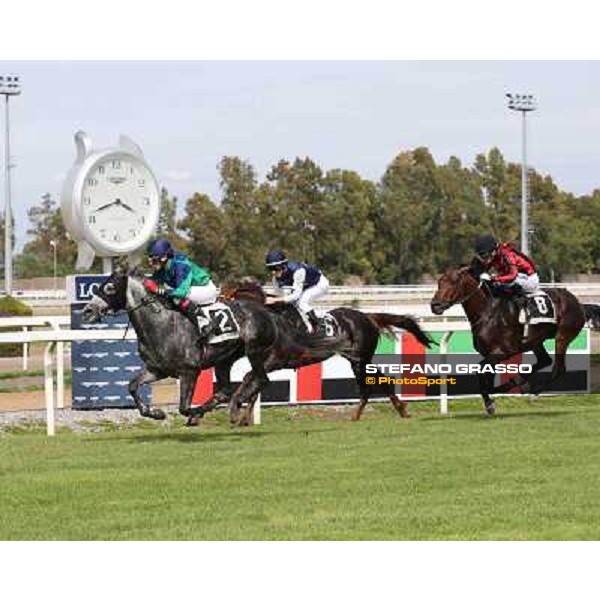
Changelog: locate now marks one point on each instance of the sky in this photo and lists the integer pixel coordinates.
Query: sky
(356, 115)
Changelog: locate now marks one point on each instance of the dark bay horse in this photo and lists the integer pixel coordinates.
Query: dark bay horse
(498, 335)
(168, 342)
(359, 335)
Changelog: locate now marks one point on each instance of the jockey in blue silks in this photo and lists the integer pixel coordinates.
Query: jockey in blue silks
(186, 284)
(304, 283)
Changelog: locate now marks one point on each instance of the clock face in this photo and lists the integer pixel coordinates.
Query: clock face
(119, 202)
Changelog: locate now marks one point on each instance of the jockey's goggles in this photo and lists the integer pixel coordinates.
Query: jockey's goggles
(155, 260)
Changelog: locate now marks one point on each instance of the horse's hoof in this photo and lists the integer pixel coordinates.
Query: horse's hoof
(193, 421)
(157, 414)
(490, 408)
(404, 410)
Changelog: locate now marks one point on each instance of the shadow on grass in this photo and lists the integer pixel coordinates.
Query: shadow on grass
(498, 416)
(187, 436)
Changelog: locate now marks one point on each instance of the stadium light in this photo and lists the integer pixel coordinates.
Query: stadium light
(10, 85)
(523, 103)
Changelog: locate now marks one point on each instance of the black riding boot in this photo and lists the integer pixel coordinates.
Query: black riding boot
(188, 308)
(208, 330)
(193, 311)
(314, 321)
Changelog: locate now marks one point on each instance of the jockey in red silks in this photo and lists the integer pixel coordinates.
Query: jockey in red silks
(514, 272)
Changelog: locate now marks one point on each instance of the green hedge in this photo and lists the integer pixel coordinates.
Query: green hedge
(11, 307)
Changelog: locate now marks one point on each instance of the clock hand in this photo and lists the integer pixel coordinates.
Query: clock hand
(126, 207)
(104, 206)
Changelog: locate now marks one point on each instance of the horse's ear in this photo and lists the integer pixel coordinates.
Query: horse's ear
(137, 271)
(464, 269)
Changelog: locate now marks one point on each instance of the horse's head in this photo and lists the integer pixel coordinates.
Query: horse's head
(110, 297)
(247, 288)
(454, 286)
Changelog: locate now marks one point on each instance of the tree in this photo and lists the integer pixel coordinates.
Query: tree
(501, 189)
(464, 214)
(563, 241)
(167, 221)
(409, 216)
(245, 231)
(37, 258)
(347, 245)
(206, 227)
(296, 198)
(587, 208)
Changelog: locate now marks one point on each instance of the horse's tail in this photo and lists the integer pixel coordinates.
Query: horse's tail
(386, 322)
(592, 315)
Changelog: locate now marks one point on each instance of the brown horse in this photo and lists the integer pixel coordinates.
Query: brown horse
(498, 335)
(358, 335)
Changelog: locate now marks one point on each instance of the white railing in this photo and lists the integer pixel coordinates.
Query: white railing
(58, 337)
(38, 294)
(27, 323)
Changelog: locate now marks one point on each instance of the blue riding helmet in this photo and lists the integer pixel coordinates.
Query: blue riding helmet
(275, 258)
(160, 248)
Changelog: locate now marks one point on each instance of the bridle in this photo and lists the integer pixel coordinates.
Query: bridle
(449, 303)
(144, 302)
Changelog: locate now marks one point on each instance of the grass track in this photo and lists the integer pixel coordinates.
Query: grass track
(530, 473)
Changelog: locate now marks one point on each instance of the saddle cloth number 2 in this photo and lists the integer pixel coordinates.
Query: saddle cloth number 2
(225, 319)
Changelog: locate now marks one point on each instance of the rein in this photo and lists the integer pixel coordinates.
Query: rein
(145, 301)
(468, 296)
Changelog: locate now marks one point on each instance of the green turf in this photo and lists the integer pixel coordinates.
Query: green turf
(530, 473)
(19, 374)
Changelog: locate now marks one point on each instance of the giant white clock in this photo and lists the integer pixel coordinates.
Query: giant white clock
(110, 200)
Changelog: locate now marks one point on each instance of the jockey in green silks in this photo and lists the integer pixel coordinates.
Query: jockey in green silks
(179, 278)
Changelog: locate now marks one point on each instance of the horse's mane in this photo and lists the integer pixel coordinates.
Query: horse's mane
(137, 272)
(246, 288)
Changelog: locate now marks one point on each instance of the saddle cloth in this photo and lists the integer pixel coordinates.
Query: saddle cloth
(328, 325)
(539, 308)
(228, 328)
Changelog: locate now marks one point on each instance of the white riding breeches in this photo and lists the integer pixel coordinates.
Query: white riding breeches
(203, 294)
(310, 295)
(529, 283)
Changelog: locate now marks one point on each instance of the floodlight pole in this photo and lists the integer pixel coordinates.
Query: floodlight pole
(523, 104)
(9, 86)
(54, 245)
